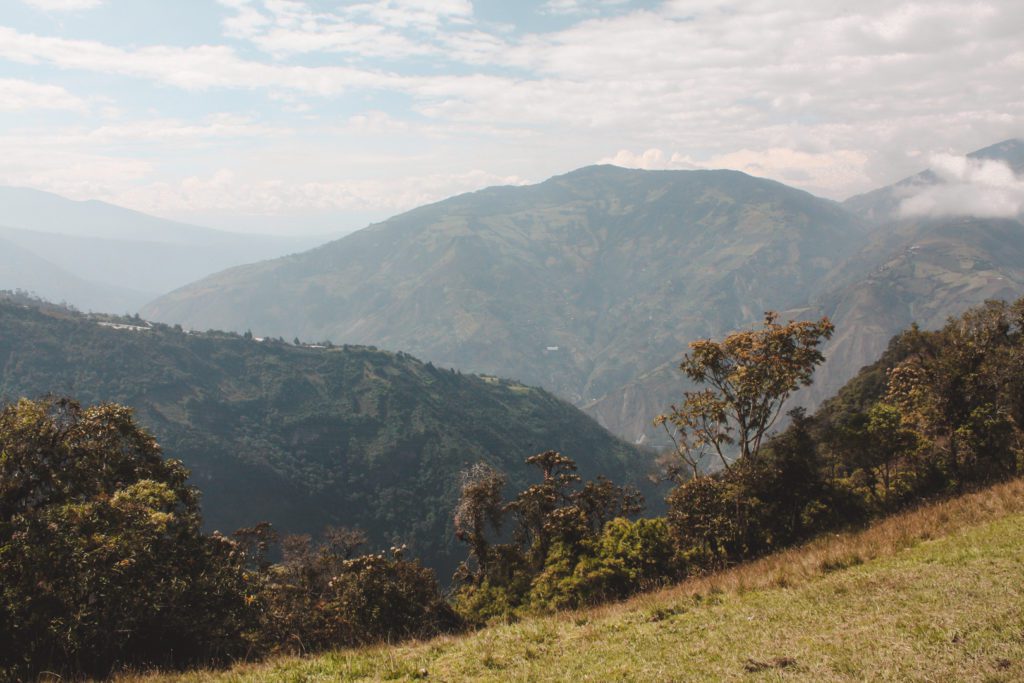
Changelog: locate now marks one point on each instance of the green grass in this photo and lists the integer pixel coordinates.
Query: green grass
(932, 595)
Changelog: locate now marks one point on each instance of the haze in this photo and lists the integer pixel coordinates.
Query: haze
(311, 117)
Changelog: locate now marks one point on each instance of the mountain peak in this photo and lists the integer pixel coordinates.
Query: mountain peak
(1010, 151)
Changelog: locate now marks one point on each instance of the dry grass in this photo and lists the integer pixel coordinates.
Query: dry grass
(878, 604)
(832, 552)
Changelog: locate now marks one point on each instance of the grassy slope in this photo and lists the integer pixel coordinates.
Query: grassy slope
(935, 594)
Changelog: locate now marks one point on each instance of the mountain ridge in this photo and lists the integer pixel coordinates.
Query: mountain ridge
(305, 436)
(575, 283)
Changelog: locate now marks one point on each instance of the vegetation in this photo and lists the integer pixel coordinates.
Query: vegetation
(305, 437)
(749, 377)
(929, 594)
(101, 558)
(103, 564)
(945, 418)
(939, 414)
(570, 543)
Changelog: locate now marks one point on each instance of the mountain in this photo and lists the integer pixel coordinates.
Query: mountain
(23, 269)
(580, 284)
(882, 206)
(921, 269)
(136, 255)
(305, 437)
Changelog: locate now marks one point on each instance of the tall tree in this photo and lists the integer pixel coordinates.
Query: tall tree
(747, 376)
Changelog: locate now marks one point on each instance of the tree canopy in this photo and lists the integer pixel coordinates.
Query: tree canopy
(747, 378)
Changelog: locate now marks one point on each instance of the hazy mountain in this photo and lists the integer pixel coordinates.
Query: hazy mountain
(305, 437)
(581, 284)
(124, 249)
(920, 269)
(23, 269)
(882, 206)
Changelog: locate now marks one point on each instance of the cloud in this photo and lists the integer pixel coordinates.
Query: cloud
(63, 5)
(817, 95)
(190, 68)
(384, 28)
(578, 7)
(985, 188)
(18, 95)
(651, 160)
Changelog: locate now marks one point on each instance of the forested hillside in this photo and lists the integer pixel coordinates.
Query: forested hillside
(305, 437)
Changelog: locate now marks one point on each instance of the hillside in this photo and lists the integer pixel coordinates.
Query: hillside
(932, 594)
(580, 284)
(921, 269)
(130, 257)
(305, 437)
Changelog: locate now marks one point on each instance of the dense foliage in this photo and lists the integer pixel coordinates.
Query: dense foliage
(324, 595)
(304, 437)
(570, 542)
(940, 412)
(103, 564)
(102, 561)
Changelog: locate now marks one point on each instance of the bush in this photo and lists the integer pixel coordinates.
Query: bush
(318, 599)
(628, 557)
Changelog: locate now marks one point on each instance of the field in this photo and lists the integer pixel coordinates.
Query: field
(933, 594)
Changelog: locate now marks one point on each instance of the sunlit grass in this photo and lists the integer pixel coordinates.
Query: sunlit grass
(932, 594)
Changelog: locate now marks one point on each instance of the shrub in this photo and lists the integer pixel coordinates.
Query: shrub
(318, 598)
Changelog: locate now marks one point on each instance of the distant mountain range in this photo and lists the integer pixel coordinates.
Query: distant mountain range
(305, 437)
(590, 284)
(106, 258)
(593, 283)
(920, 269)
(581, 284)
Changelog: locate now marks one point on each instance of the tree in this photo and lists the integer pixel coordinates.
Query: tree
(480, 505)
(748, 376)
(102, 562)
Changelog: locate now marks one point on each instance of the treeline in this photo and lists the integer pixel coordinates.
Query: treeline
(103, 564)
(939, 413)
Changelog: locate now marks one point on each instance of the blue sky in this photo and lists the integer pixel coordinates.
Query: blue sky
(314, 116)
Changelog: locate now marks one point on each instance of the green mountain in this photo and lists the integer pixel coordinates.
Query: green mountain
(305, 436)
(592, 284)
(581, 284)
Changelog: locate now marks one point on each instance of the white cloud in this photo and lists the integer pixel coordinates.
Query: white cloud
(817, 95)
(18, 95)
(967, 187)
(365, 29)
(651, 160)
(63, 5)
(190, 68)
(570, 7)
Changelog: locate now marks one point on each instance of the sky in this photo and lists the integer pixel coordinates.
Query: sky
(310, 116)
